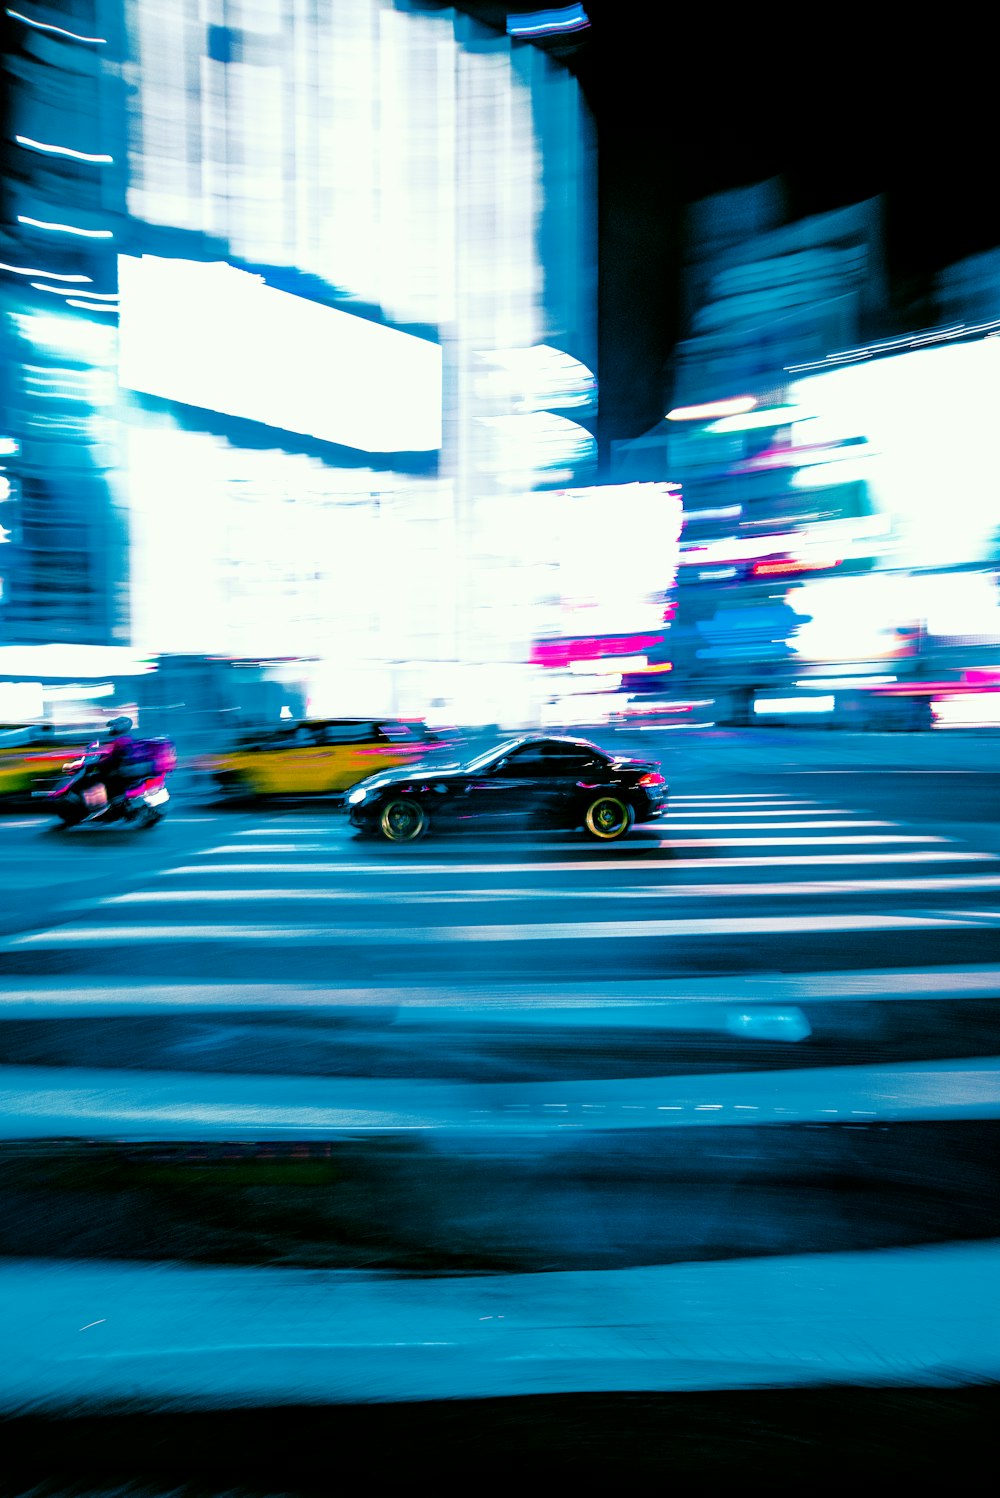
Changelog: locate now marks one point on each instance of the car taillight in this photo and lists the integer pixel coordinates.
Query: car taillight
(652, 779)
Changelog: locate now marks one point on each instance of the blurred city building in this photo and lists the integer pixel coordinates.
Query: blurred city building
(839, 473)
(63, 566)
(320, 312)
(297, 312)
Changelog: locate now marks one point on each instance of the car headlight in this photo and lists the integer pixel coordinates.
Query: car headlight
(355, 797)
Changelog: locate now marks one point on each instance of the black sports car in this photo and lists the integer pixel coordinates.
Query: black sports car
(526, 782)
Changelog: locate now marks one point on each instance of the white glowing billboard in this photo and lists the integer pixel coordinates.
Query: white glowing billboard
(930, 454)
(212, 336)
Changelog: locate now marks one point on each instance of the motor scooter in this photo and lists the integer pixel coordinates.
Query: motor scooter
(138, 798)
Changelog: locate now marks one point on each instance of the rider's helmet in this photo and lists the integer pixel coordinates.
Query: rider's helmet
(119, 726)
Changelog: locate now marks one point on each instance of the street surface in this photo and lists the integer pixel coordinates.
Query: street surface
(714, 1108)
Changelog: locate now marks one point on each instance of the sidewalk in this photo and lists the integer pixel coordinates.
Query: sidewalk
(86, 1335)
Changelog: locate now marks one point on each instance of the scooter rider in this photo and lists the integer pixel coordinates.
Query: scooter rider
(121, 749)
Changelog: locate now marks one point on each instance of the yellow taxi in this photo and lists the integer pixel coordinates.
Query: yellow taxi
(318, 758)
(33, 757)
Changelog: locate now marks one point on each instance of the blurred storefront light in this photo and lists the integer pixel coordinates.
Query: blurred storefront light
(21, 701)
(844, 683)
(711, 409)
(73, 336)
(76, 661)
(796, 564)
(752, 421)
(538, 378)
(928, 420)
(783, 705)
(80, 692)
(967, 710)
(825, 534)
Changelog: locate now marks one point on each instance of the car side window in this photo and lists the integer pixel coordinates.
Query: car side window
(395, 733)
(523, 764)
(346, 733)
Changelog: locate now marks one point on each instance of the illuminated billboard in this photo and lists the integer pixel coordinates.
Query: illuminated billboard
(212, 336)
(929, 453)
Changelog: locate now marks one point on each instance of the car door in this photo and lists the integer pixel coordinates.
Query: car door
(505, 794)
(571, 774)
(346, 754)
(293, 767)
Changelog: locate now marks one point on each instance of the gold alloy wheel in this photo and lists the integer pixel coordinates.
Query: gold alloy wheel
(403, 821)
(608, 818)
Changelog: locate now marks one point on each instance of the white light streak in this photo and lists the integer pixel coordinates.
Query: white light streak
(97, 296)
(23, 270)
(91, 306)
(795, 705)
(41, 223)
(49, 149)
(778, 416)
(74, 36)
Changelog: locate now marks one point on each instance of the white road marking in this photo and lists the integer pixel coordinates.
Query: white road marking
(662, 842)
(716, 826)
(40, 1102)
(762, 811)
(791, 842)
(789, 888)
(764, 925)
(623, 1001)
(611, 865)
(747, 796)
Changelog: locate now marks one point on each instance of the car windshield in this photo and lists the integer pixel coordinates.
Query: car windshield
(497, 752)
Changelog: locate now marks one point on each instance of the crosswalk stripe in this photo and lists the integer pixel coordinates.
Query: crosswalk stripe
(764, 925)
(619, 1001)
(45, 1102)
(763, 811)
(733, 796)
(314, 840)
(663, 842)
(819, 825)
(783, 889)
(597, 864)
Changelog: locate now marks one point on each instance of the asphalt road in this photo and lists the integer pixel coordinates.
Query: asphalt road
(762, 1033)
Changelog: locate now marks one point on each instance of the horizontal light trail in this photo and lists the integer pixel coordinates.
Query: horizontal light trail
(765, 925)
(597, 865)
(766, 890)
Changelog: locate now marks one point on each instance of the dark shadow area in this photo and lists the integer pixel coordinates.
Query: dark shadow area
(762, 1437)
